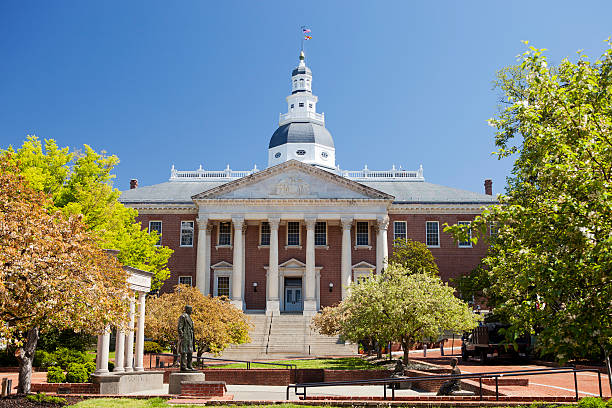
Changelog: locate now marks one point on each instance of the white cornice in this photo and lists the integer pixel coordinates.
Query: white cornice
(450, 208)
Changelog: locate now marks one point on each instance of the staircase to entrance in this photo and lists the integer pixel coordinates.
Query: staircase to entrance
(287, 336)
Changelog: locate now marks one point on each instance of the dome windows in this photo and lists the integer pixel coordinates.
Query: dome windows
(277, 155)
(324, 155)
(301, 152)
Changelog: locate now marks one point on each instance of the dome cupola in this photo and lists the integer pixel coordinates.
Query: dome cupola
(301, 133)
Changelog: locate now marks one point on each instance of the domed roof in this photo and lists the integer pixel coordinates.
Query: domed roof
(301, 132)
(301, 70)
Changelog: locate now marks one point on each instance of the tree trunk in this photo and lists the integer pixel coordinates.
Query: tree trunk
(26, 356)
(406, 348)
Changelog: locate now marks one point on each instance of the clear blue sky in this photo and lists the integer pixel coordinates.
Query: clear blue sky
(202, 82)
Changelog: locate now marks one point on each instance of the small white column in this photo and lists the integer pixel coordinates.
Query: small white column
(129, 338)
(102, 352)
(310, 303)
(345, 267)
(139, 366)
(119, 351)
(244, 230)
(237, 272)
(272, 301)
(382, 250)
(202, 272)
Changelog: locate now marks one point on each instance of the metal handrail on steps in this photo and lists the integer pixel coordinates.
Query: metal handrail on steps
(248, 362)
(497, 375)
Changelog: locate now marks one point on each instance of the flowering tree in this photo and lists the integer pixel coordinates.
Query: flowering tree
(550, 263)
(414, 256)
(52, 272)
(216, 323)
(397, 306)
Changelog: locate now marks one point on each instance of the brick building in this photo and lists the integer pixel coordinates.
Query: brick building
(290, 238)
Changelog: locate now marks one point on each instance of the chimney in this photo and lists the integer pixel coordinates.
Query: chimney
(488, 186)
(133, 184)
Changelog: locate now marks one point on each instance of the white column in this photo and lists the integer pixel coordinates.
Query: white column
(139, 366)
(346, 255)
(237, 272)
(119, 351)
(202, 259)
(244, 229)
(310, 303)
(129, 338)
(102, 355)
(272, 301)
(382, 250)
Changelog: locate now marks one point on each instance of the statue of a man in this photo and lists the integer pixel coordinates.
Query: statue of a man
(186, 339)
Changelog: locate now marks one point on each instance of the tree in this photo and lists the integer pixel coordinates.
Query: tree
(397, 306)
(52, 274)
(550, 264)
(80, 182)
(217, 323)
(414, 256)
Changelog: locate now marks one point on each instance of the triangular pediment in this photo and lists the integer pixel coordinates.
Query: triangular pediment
(292, 263)
(363, 265)
(222, 265)
(293, 180)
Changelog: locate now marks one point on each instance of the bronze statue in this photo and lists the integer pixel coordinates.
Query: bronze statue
(186, 339)
(454, 384)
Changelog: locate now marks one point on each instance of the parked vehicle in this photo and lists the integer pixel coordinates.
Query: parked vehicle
(488, 341)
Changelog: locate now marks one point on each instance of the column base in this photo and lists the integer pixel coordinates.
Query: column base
(101, 372)
(237, 303)
(118, 370)
(272, 308)
(310, 308)
(128, 369)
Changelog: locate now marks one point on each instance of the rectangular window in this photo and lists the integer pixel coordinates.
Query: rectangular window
(157, 227)
(399, 230)
(291, 106)
(493, 229)
(225, 233)
(321, 233)
(293, 233)
(468, 243)
(185, 280)
(186, 233)
(301, 104)
(310, 105)
(432, 233)
(264, 234)
(363, 233)
(223, 286)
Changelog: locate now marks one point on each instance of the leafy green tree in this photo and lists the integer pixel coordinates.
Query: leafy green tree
(397, 306)
(550, 264)
(80, 182)
(414, 256)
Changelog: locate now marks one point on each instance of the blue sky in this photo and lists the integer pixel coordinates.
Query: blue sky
(202, 82)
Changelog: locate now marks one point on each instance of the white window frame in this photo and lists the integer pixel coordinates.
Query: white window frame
(217, 274)
(326, 237)
(299, 245)
(185, 276)
(192, 234)
(161, 225)
(405, 230)
(262, 245)
(468, 243)
(357, 245)
(219, 245)
(438, 233)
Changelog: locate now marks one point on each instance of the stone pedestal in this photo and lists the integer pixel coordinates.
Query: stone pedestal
(177, 378)
(126, 383)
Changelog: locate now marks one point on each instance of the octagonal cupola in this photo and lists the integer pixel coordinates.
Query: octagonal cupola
(301, 133)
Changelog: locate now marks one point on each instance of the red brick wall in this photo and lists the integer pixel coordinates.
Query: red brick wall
(351, 375)
(452, 260)
(203, 389)
(75, 388)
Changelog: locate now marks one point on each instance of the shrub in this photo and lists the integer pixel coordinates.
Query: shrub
(90, 366)
(111, 366)
(76, 373)
(152, 347)
(591, 402)
(64, 357)
(55, 375)
(39, 357)
(46, 399)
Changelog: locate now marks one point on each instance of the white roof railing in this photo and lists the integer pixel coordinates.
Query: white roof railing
(357, 175)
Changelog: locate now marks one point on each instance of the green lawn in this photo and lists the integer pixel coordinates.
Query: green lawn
(92, 355)
(158, 403)
(349, 363)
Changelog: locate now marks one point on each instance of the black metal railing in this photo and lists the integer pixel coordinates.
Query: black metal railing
(199, 359)
(394, 382)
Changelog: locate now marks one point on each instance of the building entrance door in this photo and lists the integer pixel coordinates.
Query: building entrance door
(293, 295)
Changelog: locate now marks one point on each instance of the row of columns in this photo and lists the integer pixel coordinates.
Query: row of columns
(272, 295)
(125, 358)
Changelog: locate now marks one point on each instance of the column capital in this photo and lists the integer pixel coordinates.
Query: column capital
(274, 222)
(310, 222)
(382, 222)
(202, 223)
(346, 223)
(238, 222)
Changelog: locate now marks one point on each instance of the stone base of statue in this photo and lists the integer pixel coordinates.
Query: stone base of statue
(126, 383)
(184, 376)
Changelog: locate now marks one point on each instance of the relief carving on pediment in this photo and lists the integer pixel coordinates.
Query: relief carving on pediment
(291, 187)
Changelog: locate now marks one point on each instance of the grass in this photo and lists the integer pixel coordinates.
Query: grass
(349, 363)
(159, 403)
(92, 355)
